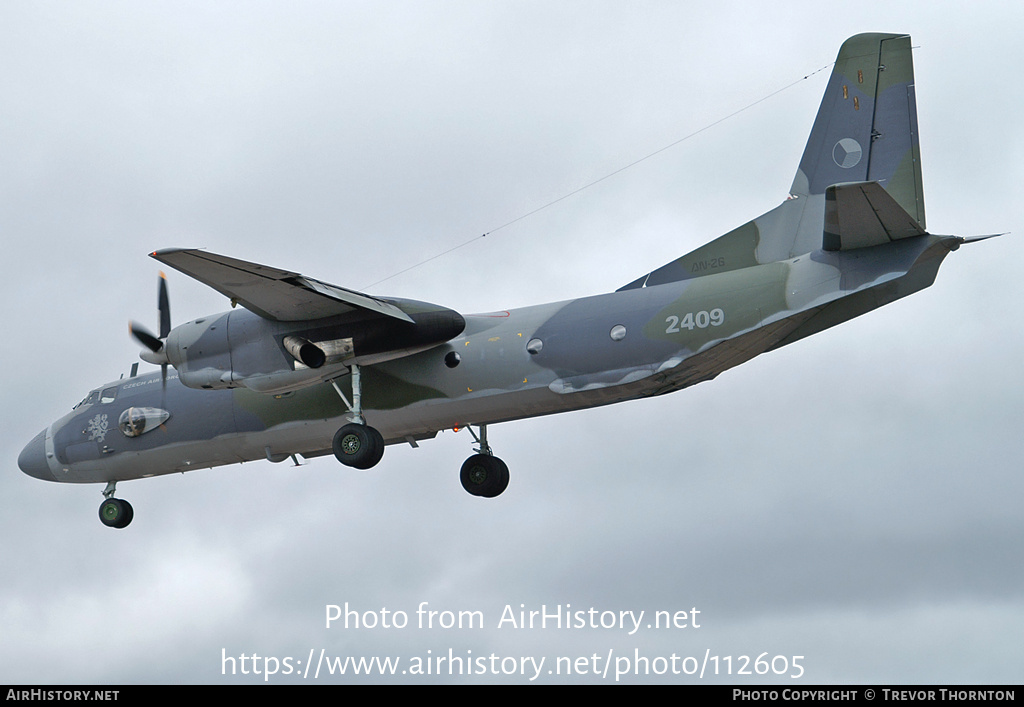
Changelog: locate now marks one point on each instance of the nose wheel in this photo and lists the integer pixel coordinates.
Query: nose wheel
(115, 512)
(484, 474)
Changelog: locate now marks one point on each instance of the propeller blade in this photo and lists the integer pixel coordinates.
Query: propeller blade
(144, 337)
(157, 353)
(164, 306)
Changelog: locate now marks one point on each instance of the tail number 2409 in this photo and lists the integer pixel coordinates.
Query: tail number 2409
(700, 320)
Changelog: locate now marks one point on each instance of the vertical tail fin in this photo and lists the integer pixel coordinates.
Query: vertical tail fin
(865, 131)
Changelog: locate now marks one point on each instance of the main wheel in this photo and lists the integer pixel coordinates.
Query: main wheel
(484, 475)
(358, 446)
(116, 513)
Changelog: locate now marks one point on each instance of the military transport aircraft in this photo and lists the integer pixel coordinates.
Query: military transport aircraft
(305, 368)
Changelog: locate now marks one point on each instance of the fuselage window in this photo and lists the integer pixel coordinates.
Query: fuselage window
(132, 422)
(109, 395)
(534, 346)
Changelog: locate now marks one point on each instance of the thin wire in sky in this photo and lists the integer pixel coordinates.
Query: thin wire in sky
(574, 192)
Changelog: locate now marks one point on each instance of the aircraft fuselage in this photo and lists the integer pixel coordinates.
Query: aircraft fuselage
(505, 365)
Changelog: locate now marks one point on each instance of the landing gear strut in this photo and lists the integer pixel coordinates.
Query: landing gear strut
(115, 512)
(357, 444)
(483, 474)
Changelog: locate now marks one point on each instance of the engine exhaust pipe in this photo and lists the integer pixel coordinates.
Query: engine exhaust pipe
(305, 352)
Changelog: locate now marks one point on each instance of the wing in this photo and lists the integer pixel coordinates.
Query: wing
(274, 294)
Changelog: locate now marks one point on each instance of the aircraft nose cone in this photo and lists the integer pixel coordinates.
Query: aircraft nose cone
(32, 459)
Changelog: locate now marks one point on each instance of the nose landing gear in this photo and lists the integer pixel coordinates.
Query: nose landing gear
(115, 512)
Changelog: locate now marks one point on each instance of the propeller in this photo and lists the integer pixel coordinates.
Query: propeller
(155, 344)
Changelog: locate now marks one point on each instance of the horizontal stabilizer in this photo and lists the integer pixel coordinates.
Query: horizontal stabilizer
(863, 214)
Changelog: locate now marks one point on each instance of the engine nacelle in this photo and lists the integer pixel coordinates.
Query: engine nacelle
(239, 348)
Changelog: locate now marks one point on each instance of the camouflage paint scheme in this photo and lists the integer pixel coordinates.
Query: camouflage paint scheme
(849, 239)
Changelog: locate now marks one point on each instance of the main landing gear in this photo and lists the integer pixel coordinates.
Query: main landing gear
(115, 512)
(357, 444)
(360, 446)
(484, 474)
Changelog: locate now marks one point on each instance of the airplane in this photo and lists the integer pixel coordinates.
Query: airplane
(304, 368)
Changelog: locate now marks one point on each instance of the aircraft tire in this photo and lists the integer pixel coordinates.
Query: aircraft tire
(358, 446)
(116, 513)
(484, 475)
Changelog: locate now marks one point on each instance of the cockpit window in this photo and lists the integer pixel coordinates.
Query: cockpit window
(109, 395)
(90, 398)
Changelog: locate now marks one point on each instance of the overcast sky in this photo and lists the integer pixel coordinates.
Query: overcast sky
(853, 498)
